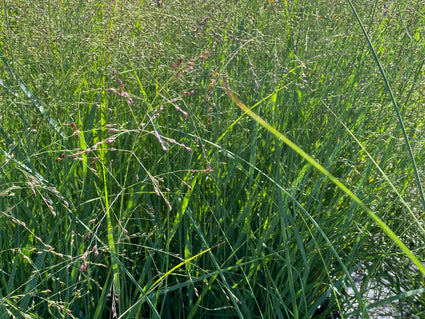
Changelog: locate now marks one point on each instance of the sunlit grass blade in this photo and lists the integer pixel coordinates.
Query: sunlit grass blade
(381, 171)
(324, 171)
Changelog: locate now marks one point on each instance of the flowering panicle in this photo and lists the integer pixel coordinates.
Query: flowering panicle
(120, 92)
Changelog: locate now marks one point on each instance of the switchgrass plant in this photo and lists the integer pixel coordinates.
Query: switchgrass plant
(132, 185)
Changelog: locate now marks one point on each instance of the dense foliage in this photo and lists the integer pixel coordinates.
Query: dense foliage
(133, 187)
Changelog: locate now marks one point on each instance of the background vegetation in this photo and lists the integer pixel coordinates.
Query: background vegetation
(133, 187)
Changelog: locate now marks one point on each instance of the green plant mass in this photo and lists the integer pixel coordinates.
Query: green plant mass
(212, 159)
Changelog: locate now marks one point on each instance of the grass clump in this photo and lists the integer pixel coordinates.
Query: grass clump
(132, 186)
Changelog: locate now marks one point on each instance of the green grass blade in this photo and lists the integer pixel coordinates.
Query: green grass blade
(324, 171)
(390, 92)
(31, 96)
